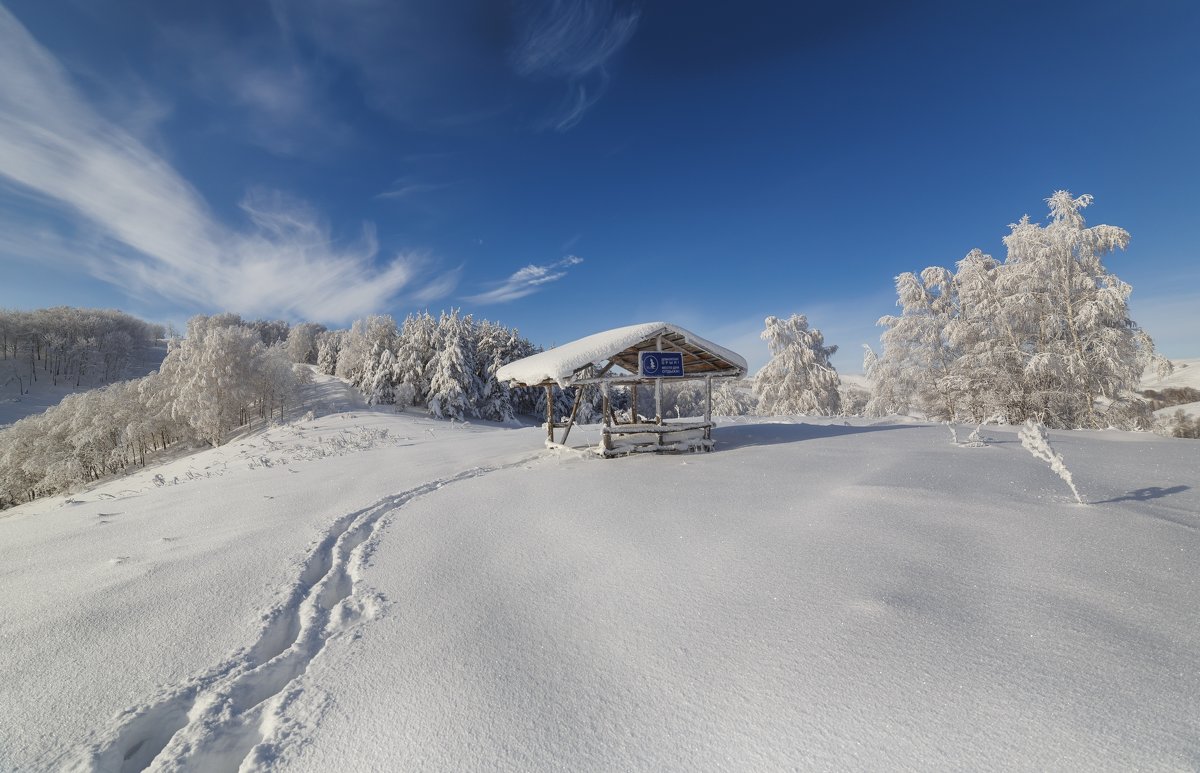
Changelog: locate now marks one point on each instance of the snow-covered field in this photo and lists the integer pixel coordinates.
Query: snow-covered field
(377, 591)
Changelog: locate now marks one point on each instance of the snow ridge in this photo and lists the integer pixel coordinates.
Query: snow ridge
(233, 716)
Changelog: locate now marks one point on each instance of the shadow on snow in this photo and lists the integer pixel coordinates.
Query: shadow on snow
(767, 434)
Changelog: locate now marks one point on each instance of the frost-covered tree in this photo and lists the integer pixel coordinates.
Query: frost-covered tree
(329, 345)
(302, 342)
(733, 397)
(799, 378)
(1082, 343)
(1045, 335)
(914, 372)
(414, 357)
(454, 387)
(219, 377)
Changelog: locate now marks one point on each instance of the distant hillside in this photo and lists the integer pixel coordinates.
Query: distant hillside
(47, 354)
(1178, 390)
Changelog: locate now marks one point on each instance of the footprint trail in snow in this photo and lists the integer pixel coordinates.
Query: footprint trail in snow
(235, 714)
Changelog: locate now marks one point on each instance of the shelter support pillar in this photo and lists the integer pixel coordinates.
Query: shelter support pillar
(708, 407)
(574, 411)
(658, 390)
(549, 414)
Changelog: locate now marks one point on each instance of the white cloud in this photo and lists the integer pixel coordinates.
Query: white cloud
(142, 227)
(409, 187)
(526, 281)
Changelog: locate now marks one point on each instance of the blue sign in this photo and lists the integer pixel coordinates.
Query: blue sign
(661, 364)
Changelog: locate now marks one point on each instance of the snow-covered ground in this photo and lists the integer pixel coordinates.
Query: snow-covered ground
(370, 591)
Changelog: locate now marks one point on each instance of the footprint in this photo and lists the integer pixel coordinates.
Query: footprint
(118, 560)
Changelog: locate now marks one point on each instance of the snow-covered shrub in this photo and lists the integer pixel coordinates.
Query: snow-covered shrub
(1035, 440)
(1179, 425)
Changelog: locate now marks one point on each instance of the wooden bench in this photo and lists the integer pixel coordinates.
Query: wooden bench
(620, 439)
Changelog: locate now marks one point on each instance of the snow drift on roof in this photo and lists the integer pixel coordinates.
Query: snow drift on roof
(560, 363)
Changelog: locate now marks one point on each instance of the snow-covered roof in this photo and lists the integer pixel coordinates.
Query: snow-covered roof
(622, 345)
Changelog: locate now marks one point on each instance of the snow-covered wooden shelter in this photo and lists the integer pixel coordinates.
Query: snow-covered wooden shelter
(626, 357)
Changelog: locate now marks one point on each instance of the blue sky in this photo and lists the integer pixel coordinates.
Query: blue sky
(566, 167)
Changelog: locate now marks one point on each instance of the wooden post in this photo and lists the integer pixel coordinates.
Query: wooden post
(708, 407)
(574, 410)
(549, 414)
(633, 411)
(658, 391)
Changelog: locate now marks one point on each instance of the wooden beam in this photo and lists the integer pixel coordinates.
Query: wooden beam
(574, 410)
(549, 414)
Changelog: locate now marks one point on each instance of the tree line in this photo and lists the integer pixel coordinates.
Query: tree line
(221, 376)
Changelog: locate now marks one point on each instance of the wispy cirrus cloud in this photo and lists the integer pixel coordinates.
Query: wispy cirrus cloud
(572, 40)
(137, 223)
(526, 281)
(274, 99)
(409, 187)
(453, 64)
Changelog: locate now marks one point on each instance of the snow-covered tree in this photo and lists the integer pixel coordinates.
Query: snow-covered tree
(1081, 343)
(454, 387)
(1044, 335)
(302, 342)
(414, 357)
(913, 372)
(799, 379)
(329, 345)
(733, 397)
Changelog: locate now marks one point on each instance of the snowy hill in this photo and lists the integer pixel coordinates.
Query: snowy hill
(369, 590)
(1186, 374)
(42, 394)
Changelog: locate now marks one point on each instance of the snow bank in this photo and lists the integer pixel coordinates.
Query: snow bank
(560, 363)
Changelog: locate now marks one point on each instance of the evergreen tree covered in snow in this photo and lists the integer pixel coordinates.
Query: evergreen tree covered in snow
(414, 357)
(454, 386)
(799, 379)
(447, 363)
(329, 346)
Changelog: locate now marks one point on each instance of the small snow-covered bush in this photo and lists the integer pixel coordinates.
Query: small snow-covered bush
(1179, 425)
(1037, 442)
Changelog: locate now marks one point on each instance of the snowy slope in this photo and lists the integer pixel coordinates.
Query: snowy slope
(373, 591)
(1185, 374)
(42, 394)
